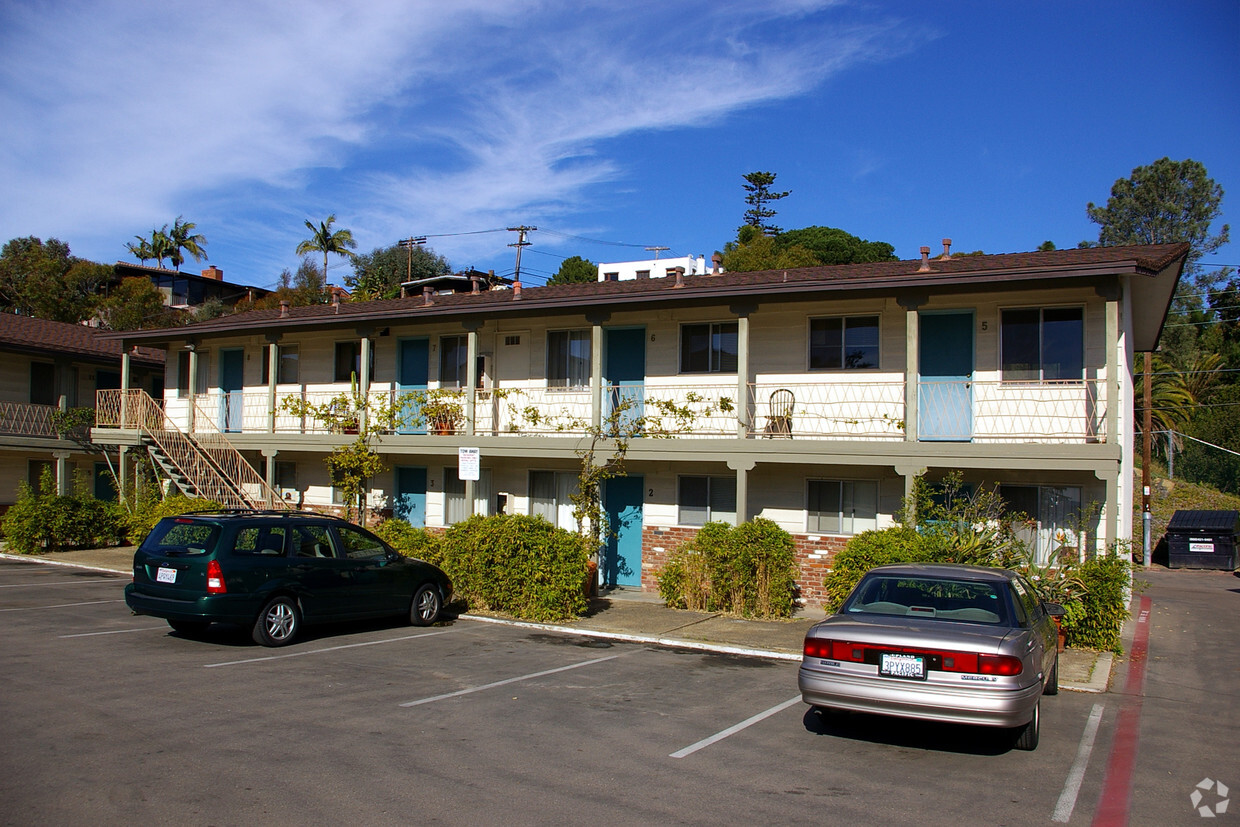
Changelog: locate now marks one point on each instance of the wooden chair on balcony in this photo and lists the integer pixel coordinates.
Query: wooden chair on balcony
(779, 418)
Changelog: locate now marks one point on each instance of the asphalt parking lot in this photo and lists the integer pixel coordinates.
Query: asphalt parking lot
(112, 718)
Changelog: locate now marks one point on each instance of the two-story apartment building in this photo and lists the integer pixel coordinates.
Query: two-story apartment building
(815, 396)
(48, 366)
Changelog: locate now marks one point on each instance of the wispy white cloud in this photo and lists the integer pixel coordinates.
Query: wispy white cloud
(394, 115)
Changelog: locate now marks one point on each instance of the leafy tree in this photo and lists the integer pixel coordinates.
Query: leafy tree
(324, 240)
(44, 280)
(1046, 247)
(1166, 201)
(575, 270)
(833, 246)
(142, 250)
(182, 238)
(758, 185)
(305, 287)
(754, 251)
(380, 273)
(136, 303)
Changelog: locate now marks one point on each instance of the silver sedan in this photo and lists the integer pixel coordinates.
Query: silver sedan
(960, 644)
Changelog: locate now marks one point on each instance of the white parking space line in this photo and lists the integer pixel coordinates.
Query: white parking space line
(114, 632)
(473, 689)
(732, 730)
(59, 606)
(61, 583)
(1072, 786)
(328, 649)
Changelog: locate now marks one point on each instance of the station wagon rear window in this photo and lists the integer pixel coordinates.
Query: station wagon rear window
(182, 536)
(966, 601)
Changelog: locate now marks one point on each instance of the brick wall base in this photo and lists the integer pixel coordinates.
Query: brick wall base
(813, 558)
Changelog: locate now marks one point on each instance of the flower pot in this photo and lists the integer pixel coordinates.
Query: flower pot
(590, 586)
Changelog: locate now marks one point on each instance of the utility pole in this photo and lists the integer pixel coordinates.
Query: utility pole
(657, 250)
(409, 244)
(520, 242)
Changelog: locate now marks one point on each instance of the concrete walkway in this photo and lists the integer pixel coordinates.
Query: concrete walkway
(641, 617)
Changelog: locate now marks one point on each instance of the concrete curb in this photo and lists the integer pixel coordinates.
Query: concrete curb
(26, 558)
(654, 640)
(1099, 677)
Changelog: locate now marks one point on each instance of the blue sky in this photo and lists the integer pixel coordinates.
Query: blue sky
(992, 123)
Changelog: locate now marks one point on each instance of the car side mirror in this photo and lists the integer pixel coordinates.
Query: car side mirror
(1054, 609)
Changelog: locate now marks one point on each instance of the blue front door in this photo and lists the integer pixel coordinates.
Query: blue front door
(945, 386)
(622, 502)
(624, 372)
(232, 382)
(413, 365)
(410, 502)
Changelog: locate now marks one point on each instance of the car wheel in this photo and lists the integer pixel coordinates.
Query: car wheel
(1027, 736)
(1052, 684)
(278, 623)
(188, 627)
(426, 607)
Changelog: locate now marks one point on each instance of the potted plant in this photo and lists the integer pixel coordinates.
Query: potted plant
(443, 411)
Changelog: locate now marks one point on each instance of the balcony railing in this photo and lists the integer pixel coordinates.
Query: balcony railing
(963, 411)
(22, 419)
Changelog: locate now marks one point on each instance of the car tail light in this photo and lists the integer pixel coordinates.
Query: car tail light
(215, 579)
(936, 659)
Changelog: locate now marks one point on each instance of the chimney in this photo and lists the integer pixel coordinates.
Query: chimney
(213, 272)
(947, 249)
(473, 285)
(335, 299)
(925, 260)
(516, 290)
(284, 308)
(716, 262)
(680, 277)
(427, 293)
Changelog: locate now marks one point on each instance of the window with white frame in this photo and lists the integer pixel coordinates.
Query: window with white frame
(701, 500)
(453, 353)
(1043, 344)
(349, 362)
(842, 506)
(551, 497)
(568, 359)
(708, 348)
(455, 505)
(1050, 518)
(843, 343)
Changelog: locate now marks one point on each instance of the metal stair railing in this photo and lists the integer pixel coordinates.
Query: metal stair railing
(216, 474)
(231, 464)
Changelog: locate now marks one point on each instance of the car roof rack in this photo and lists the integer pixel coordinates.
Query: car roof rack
(265, 512)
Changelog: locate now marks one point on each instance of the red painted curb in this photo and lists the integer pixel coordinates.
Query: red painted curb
(1116, 799)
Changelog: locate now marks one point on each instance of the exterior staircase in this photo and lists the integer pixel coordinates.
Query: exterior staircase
(204, 464)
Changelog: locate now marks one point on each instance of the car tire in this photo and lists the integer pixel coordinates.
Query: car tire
(278, 623)
(1052, 683)
(1027, 736)
(426, 607)
(189, 627)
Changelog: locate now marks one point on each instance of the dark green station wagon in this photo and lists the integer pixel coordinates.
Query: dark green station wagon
(272, 571)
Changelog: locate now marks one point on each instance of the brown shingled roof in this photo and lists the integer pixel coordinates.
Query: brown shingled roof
(26, 334)
(766, 285)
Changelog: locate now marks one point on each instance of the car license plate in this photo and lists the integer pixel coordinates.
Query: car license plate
(903, 666)
(166, 575)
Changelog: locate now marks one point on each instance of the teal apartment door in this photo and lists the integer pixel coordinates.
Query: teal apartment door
(410, 501)
(624, 371)
(622, 502)
(413, 366)
(945, 381)
(232, 383)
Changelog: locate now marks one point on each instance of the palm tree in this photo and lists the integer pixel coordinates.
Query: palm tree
(161, 245)
(183, 237)
(142, 250)
(325, 241)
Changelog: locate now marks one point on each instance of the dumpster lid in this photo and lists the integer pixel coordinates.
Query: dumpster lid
(1217, 521)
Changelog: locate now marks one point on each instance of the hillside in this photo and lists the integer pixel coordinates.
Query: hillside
(1170, 496)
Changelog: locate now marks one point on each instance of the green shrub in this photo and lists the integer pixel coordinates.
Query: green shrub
(898, 544)
(519, 565)
(1096, 620)
(147, 512)
(48, 521)
(412, 542)
(749, 570)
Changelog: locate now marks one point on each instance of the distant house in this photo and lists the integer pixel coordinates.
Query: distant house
(50, 366)
(185, 290)
(654, 268)
(814, 397)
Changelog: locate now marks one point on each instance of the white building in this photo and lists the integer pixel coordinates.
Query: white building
(654, 268)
